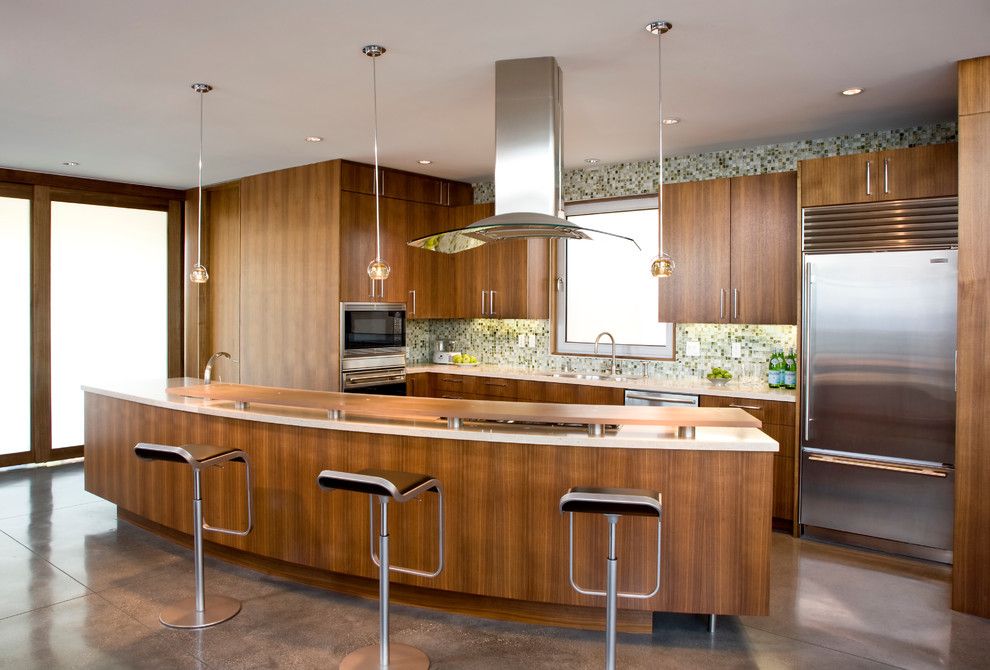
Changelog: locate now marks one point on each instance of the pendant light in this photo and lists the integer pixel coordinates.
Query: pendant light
(663, 264)
(199, 275)
(378, 269)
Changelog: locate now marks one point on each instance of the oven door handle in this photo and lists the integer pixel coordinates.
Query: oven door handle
(352, 378)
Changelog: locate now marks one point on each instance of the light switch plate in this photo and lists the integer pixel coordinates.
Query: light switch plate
(532, 340)
(737, 350)
(522, 339)
(693, 349)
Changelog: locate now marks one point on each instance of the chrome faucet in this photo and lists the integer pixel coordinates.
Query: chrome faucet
(597, 339)
(208, 372)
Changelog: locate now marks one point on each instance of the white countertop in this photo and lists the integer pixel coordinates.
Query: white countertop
(626, 437)
(692, 386)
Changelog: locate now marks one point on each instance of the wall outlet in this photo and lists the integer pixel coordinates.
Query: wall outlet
(693, 349)
(522, 339)
(532, 340)
(737, 349)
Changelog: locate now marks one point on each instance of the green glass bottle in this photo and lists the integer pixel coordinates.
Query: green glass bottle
(774, 376)
(790, 371)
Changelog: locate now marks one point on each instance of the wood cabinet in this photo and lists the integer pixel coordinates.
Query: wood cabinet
(778, 419)
(763, 257)
(498, 280)
(476, 387)
(289, 281)
(734, 245)
(893, 174)
(402, 185)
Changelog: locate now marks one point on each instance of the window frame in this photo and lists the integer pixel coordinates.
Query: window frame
(559, 321)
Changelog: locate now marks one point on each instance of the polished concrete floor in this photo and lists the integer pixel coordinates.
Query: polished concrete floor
(78, 589)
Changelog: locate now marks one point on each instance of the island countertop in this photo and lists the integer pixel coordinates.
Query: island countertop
(744, 436)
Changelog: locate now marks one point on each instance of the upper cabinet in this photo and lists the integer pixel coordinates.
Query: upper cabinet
(734, 245)
(498, 280)
(696, 235)
(403, 185)
(894, 174)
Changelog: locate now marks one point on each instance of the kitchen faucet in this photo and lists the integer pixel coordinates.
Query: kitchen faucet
(613, 348)
(208, 372)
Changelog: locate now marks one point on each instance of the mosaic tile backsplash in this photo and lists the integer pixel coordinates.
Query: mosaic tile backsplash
(496, 342)
(618, 179)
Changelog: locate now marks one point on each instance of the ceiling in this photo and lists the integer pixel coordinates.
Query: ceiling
(106, 82)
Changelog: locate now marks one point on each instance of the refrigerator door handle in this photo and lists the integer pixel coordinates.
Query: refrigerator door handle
(806, 358)
(877, 465)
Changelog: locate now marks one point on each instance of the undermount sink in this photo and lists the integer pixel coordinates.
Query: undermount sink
(590, 377)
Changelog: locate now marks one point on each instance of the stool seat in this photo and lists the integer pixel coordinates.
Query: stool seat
(601, 500)
(400, 486)
(196, 455)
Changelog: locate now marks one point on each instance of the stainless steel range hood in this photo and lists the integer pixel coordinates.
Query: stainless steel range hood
(528, 163)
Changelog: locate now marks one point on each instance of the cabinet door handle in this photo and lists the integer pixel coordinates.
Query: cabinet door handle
(491, 303)
(886, 175)
(412, 294)
(752, 407)
(869, 189)
(721, 303)
(483, 302)
(735, 304)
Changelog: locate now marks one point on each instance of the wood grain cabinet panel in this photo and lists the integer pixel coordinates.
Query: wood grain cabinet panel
(734, 243)
(219, 298)
(696, 235)
(503, 280)
(919, 172)
(894, 174)
(778, 422)
(839, 180)
(763, 235)
(289, 282)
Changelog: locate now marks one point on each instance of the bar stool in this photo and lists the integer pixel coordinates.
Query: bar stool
(612, 503)
(387, 485)
(200, 611)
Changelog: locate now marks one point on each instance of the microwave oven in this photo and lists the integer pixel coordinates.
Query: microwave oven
(372, 329)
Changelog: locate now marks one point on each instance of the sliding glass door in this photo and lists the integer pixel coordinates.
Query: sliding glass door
(109, 308)
(15, 334)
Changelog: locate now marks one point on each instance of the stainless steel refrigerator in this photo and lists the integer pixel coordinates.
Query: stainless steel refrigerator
(878, 396)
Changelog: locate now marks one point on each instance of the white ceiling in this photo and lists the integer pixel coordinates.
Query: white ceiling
(106, 82)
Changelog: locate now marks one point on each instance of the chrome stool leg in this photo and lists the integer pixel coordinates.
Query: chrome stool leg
(199, 611)
(611, 595)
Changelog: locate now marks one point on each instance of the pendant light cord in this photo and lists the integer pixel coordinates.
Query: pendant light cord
(199, 213)
(378, 225)
(660, 125)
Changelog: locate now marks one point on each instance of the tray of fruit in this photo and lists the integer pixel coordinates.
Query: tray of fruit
(719, 376)
(465, 360)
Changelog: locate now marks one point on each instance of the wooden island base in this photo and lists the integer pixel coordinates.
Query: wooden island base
(507, 551)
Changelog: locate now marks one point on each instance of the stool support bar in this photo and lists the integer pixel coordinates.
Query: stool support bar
(611, 588)
(440, 541)
(611, 531)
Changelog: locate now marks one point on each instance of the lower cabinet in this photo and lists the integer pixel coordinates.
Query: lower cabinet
(778, 422)
(474, 387)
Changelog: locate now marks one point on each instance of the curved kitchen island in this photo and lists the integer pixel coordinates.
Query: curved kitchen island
(506, 542)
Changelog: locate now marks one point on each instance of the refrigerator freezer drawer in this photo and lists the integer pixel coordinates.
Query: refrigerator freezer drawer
(883, 500)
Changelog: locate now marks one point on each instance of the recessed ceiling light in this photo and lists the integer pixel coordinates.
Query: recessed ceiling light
(425, 161)
(852, 91)
(671, 121)
(70, 163)
(314, 138)
(592, 161)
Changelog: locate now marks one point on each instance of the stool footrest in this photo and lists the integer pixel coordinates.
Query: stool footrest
(620, 594)
(399, 568)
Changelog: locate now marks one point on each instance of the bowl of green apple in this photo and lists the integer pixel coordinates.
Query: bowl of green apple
(719, 376)
(465, 360)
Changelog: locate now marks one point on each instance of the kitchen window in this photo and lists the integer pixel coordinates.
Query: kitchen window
(605, 284)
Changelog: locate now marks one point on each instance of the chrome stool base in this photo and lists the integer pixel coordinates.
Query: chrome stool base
(400, 657)
(183, 614)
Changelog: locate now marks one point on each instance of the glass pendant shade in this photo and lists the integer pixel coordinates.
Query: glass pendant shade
(378, 269)
(199, 275)
(662, 266)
